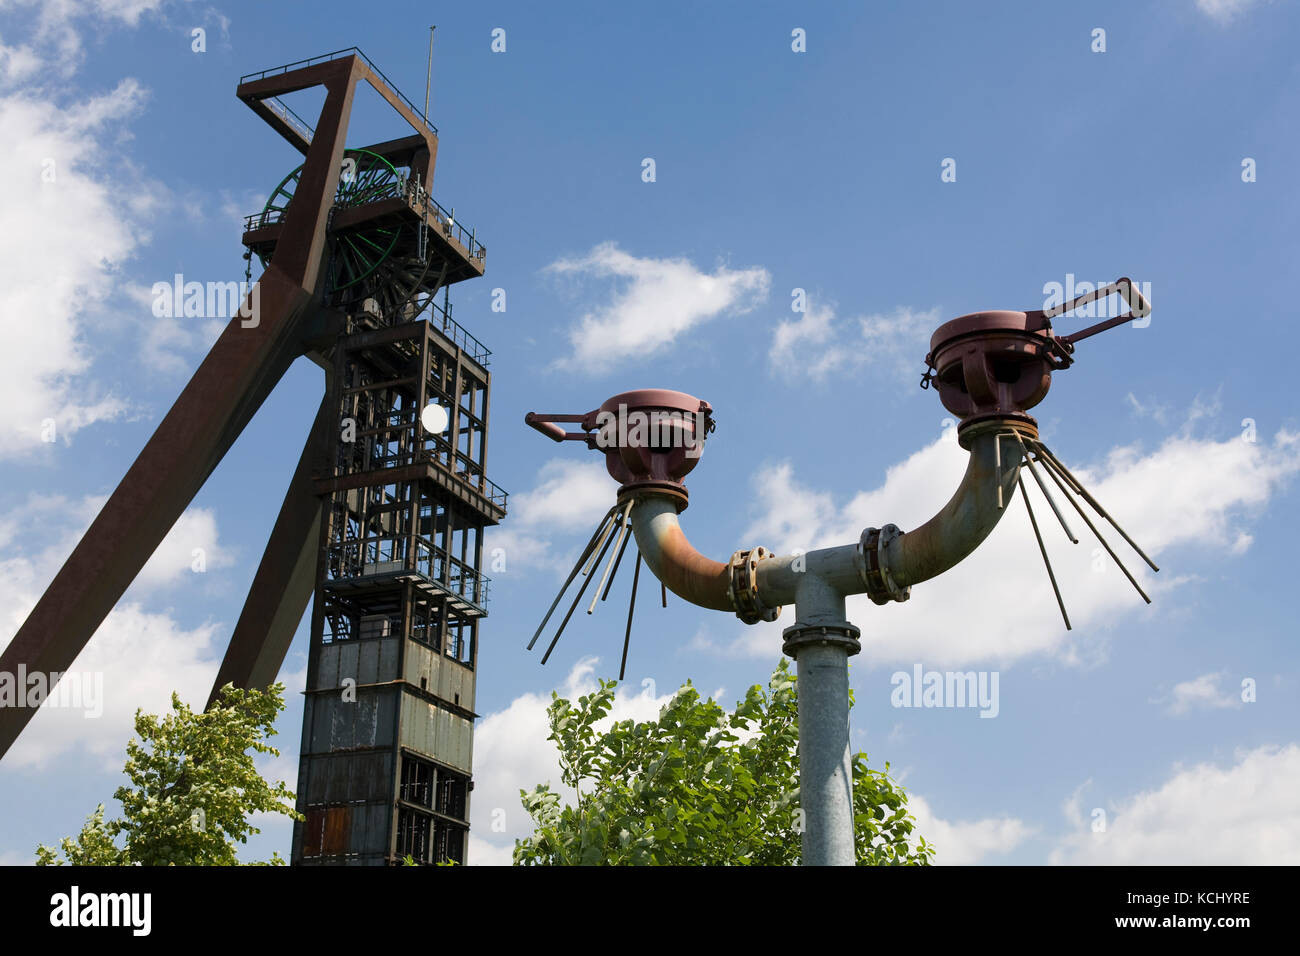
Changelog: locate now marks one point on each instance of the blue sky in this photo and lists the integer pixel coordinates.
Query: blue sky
(775, 170)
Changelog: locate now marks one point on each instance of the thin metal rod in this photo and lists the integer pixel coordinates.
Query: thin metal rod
(574, 606)
(606, 579)
(428, 76)
(631, 606)
(1042, 549)
(663, 590)
(1045, 452)
(1097, 534)
(997, 465)
(617, 561)
(1083, 493)
(609, 529)
(572, 574)
(1046, 494)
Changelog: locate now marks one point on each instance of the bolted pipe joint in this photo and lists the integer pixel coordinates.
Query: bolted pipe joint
(880, 584)
(744, 587)
(843, 635)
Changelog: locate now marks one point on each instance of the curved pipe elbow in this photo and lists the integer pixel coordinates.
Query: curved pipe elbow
(674, 561)
(950, 536)
(967, 519)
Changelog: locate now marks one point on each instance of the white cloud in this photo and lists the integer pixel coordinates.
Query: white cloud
(816, 344)
(58, 24)
(969, 842)
(1201, 692)
(570, 497)
(1203, 815)
(1158, 411)
(195, 530)
(18, 63)
(898, 341)
(511, 753)
(1186, 491)
(168, 343)
(142, 655)
(486, 853)
(660, 300)
(63, 242)
(807, 345)
(1224, 11)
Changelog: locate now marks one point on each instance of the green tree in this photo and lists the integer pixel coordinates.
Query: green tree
(192, 788)
(698, 786)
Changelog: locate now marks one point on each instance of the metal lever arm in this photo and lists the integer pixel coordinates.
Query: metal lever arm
(546, 425)
(1139, 308)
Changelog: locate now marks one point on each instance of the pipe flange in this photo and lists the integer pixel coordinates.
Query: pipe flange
(881, 588)
(671, 490)
(743, 589)
(802, 635)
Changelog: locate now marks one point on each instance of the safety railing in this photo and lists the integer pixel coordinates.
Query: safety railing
(452, 330)
(381, 555)
(339, 54)
(434, 214)
(277, 105)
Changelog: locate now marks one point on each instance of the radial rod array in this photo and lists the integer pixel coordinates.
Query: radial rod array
(612, 536)
(1035, 453)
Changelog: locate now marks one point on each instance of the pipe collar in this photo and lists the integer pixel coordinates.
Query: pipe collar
(798, 636)
(880, 584)
(743, 590)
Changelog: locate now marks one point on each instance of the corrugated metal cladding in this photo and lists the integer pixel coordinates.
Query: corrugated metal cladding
(355, 833)
(443, 678)
(438, 733)
(339, 723)
(366, 662)
(342, 777)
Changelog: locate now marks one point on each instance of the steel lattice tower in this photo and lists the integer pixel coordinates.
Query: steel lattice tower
(385, 769)
(383, 519)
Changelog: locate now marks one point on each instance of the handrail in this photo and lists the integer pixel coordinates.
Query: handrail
(351, 559)
(419, 200)
(453, 228)
(290, 117)
(337, 54)
(459, 336)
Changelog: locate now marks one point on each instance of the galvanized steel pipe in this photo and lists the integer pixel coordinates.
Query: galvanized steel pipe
(969, 516)
(821, 640)
(674, 561)
(926, 552)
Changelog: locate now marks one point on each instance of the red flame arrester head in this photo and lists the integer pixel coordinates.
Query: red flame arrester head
(652, 438)
(993, 364)
(997, 365)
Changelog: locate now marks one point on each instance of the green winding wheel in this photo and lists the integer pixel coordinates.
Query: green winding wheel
(360, 252)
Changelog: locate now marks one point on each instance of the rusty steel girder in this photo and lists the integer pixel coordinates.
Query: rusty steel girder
(226, 390)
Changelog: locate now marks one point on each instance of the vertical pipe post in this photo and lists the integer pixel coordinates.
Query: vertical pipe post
(821, 642)
(825, 775)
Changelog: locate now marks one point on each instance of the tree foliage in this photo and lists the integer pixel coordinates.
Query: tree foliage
(698, 786)
(192, 790)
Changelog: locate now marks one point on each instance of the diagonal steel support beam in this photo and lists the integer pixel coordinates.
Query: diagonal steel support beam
(229, 386)
(285, 577)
